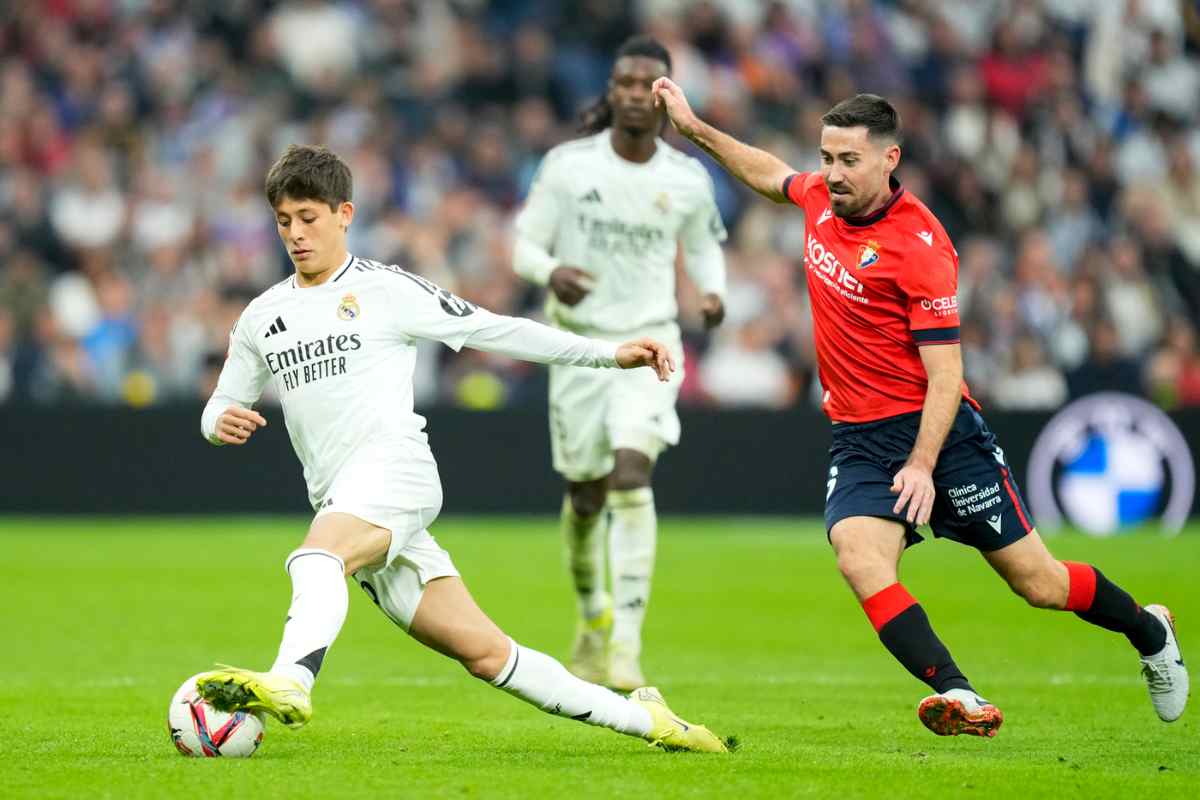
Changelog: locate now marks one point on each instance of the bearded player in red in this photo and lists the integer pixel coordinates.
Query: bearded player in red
(909, 446)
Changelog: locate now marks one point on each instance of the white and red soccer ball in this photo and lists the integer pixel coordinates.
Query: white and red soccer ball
(201, 731)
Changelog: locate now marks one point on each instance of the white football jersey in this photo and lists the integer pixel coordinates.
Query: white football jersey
(621, 221)
(341, 356)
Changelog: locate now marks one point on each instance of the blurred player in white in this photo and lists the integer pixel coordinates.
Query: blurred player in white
(601, 229)
(337, 339)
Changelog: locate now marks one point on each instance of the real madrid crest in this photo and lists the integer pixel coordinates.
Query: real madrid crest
(663, 202)
(868, 254)
(348, 309)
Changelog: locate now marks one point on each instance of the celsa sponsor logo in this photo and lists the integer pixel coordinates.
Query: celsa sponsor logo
(1108, 462)
(941, 306)
(822, 260)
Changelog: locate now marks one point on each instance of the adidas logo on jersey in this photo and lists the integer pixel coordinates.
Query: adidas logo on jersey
(276, 327)
(591, 197)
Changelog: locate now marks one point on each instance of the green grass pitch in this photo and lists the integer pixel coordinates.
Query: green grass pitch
(750, 631)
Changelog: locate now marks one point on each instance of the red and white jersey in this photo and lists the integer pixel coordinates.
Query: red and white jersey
(880, 287)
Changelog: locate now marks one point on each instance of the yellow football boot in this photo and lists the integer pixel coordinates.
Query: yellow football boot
(230, 688)
(670, 732)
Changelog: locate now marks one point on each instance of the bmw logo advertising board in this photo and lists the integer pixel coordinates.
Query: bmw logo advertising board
(1108, 462)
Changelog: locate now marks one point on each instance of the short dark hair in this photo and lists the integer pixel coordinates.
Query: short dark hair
(309, 172)
(646, 46)
(870, 111)
(599, 115)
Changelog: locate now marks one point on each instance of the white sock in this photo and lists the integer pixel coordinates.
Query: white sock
(632, 540)
(319, 602)
(539, 680)
(584, 538)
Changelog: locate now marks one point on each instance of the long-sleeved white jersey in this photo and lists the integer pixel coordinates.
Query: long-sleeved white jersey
(622, 222)
(342, 356)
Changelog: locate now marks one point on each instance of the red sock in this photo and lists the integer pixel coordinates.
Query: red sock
(884, 606)
(1096, 599)
(1081, 579)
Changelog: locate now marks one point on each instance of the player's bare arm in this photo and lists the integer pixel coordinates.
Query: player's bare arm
(236, 425)
(758, 169)
(571, 284)
(914, 482)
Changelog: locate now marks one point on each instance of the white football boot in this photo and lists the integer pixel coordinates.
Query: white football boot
(1165, 674)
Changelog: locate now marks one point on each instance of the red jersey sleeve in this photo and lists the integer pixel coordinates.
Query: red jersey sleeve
(929, 283)
(795, 185)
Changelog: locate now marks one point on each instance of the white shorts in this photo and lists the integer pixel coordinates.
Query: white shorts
(397, 587)
(402, 493)
(596, 411)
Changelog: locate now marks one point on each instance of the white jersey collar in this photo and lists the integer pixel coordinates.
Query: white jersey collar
(659, 148)
(341, 271)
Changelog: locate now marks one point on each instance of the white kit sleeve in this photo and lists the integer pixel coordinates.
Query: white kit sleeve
(241, 383)
(701, 237)
(527, 340)
(537, 225)
(426, 311)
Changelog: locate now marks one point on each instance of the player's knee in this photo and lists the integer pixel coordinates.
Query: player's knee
(587, 499)
(486, 661)
(857, 567)
(1040, 590)
(631, 470)
(629, 479)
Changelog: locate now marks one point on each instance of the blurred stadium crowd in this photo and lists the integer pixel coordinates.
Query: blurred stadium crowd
(1057, 140)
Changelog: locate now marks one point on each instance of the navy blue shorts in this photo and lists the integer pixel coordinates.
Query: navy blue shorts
(976, 498)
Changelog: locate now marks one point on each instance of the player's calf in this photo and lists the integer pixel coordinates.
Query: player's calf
(585, 539)
(868, 550)
(1046, 582)
(1042, 590)
(904, 629)
(1096, 599)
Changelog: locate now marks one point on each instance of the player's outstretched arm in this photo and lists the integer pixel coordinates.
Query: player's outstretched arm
(430, 312)
(758, 169)
(527, 340)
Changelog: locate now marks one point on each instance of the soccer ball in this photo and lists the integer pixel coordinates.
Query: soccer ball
(201, 731)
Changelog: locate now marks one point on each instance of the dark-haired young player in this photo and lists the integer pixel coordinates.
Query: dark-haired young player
(909, 445)
(601, 228)
(338, 339)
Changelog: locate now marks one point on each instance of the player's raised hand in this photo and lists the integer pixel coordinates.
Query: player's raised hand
(713, 309)
(914, 484)
(571, 284)
(646, 353)
(668, 95)
(236, 424)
